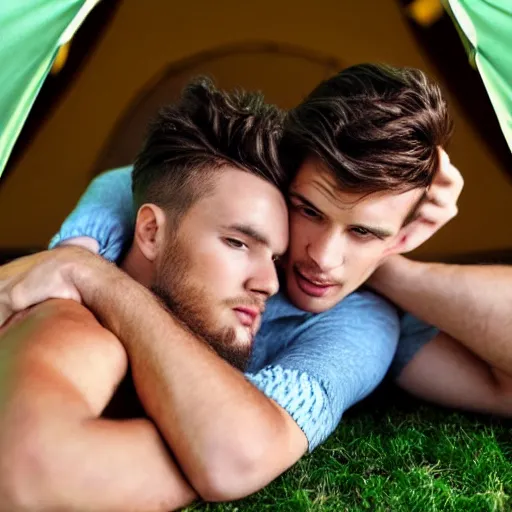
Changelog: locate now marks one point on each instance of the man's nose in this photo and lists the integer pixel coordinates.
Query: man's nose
(327, 250)
(264, 280)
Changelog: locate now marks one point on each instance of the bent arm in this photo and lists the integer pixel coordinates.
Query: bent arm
(228, 437)
(59, 368)
(471, 303)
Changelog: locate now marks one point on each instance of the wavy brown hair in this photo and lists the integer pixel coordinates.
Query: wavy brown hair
(375, 127)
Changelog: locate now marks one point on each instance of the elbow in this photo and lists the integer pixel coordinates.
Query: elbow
(249, 459)
(234, 473)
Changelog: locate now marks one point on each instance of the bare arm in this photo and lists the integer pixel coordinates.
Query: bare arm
(58, 370)
(447, 373)
(473, 304)
(228, 437)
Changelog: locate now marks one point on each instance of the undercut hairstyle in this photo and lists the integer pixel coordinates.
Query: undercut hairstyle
(375, 127)
(192, 140)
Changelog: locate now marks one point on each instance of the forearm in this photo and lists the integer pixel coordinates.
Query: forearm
(473, 304)
(221, 429)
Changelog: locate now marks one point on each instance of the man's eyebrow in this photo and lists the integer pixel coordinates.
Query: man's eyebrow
(249, 231)
(379, 232)
(304, 200)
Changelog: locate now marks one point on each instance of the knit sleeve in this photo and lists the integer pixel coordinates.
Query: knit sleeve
(105, 212)
(336, 361)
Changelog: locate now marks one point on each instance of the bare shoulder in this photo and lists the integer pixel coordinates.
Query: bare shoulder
(63, 338)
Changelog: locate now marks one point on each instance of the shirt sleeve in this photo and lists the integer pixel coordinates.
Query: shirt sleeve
(414, 335)
(334, 362)
(105, 212)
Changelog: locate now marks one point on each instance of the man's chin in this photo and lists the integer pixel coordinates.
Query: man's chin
(235, 349)
(237, 357)
(243, 337)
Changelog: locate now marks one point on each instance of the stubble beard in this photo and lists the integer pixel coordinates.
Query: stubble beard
(192, 305)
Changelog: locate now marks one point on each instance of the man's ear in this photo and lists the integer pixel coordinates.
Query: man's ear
(150, 228)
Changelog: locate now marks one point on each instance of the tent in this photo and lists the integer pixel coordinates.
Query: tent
(485, 27)
(31, 34)
(33, 31)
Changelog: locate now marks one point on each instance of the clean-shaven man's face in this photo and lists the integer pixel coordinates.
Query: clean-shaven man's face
(218, 269)
(337, 238)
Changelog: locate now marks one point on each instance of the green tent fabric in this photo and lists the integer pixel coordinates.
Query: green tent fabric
(486, 30)
(31, 32)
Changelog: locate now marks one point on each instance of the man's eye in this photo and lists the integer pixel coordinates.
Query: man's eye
(308, 212)
(236, 244)
(361, 232)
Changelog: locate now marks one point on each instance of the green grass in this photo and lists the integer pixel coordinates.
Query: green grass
(396, 454)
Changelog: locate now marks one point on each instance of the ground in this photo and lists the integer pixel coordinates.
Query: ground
(396, 454)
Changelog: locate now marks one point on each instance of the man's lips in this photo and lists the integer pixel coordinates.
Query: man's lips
(312, 287)
(247, 315)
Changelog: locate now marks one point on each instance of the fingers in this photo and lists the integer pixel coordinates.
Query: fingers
(437, 208)
(441, 197)
(448, 174)
(440, 203)
(436, 214)
(5, 312)
(40, 284)
(7, 308)
(31, 282)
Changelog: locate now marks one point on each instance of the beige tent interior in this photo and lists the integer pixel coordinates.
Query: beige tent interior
(146, 51)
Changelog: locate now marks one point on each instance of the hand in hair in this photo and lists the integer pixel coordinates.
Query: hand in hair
(437, 208)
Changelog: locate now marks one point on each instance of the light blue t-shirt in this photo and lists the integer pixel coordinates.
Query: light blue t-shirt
(315, 366)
